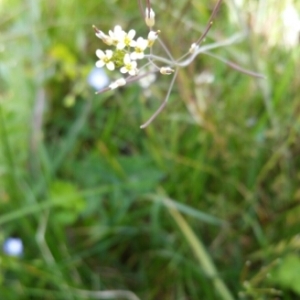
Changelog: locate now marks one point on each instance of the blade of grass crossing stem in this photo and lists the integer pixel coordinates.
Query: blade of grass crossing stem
(201, 254)
(188, 210)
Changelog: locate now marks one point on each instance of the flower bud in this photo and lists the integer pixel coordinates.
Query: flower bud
(166, 70)
(194, 47)
(149, 17)
(119, 82)
(105, 38)
(152, 36)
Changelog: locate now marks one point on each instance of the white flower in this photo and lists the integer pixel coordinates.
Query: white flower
(152, 36)
(129, 66)
(141, 45)
(105, 59)
(149, 17)
(166, 70)
(117, 35)
(119, 82)
(126, 40)
(194, 47)
(105, 38)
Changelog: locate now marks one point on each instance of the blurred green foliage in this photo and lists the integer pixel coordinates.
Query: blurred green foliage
(203, 204)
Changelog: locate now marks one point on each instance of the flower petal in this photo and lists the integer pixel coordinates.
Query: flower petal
(132, 43)
(133, 72)
(134, 56)
(100, 53)
(131, 33)
(133, 64)
(110, 66)
(118, 28)
(109, 54)
(121, 45)
(141, 43)
(100, 63)
(140, 55)
(123, 70)
(126, 59)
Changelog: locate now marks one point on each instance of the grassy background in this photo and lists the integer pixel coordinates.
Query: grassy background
(203, 204)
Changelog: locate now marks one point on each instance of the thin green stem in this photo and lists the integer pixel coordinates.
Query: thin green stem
(162, 106)
(202, 255)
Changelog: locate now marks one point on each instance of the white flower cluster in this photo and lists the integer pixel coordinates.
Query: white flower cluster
(126, 50)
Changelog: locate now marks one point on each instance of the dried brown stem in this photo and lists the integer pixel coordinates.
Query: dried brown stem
(235, 66)
(149, 7)
(210, 22)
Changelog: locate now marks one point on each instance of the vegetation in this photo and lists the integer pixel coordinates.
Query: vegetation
(202, 204)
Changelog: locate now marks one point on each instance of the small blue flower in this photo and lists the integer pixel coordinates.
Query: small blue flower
(13, 246)
(97, 79)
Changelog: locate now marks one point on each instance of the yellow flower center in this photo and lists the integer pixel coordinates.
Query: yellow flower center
(127, 41)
